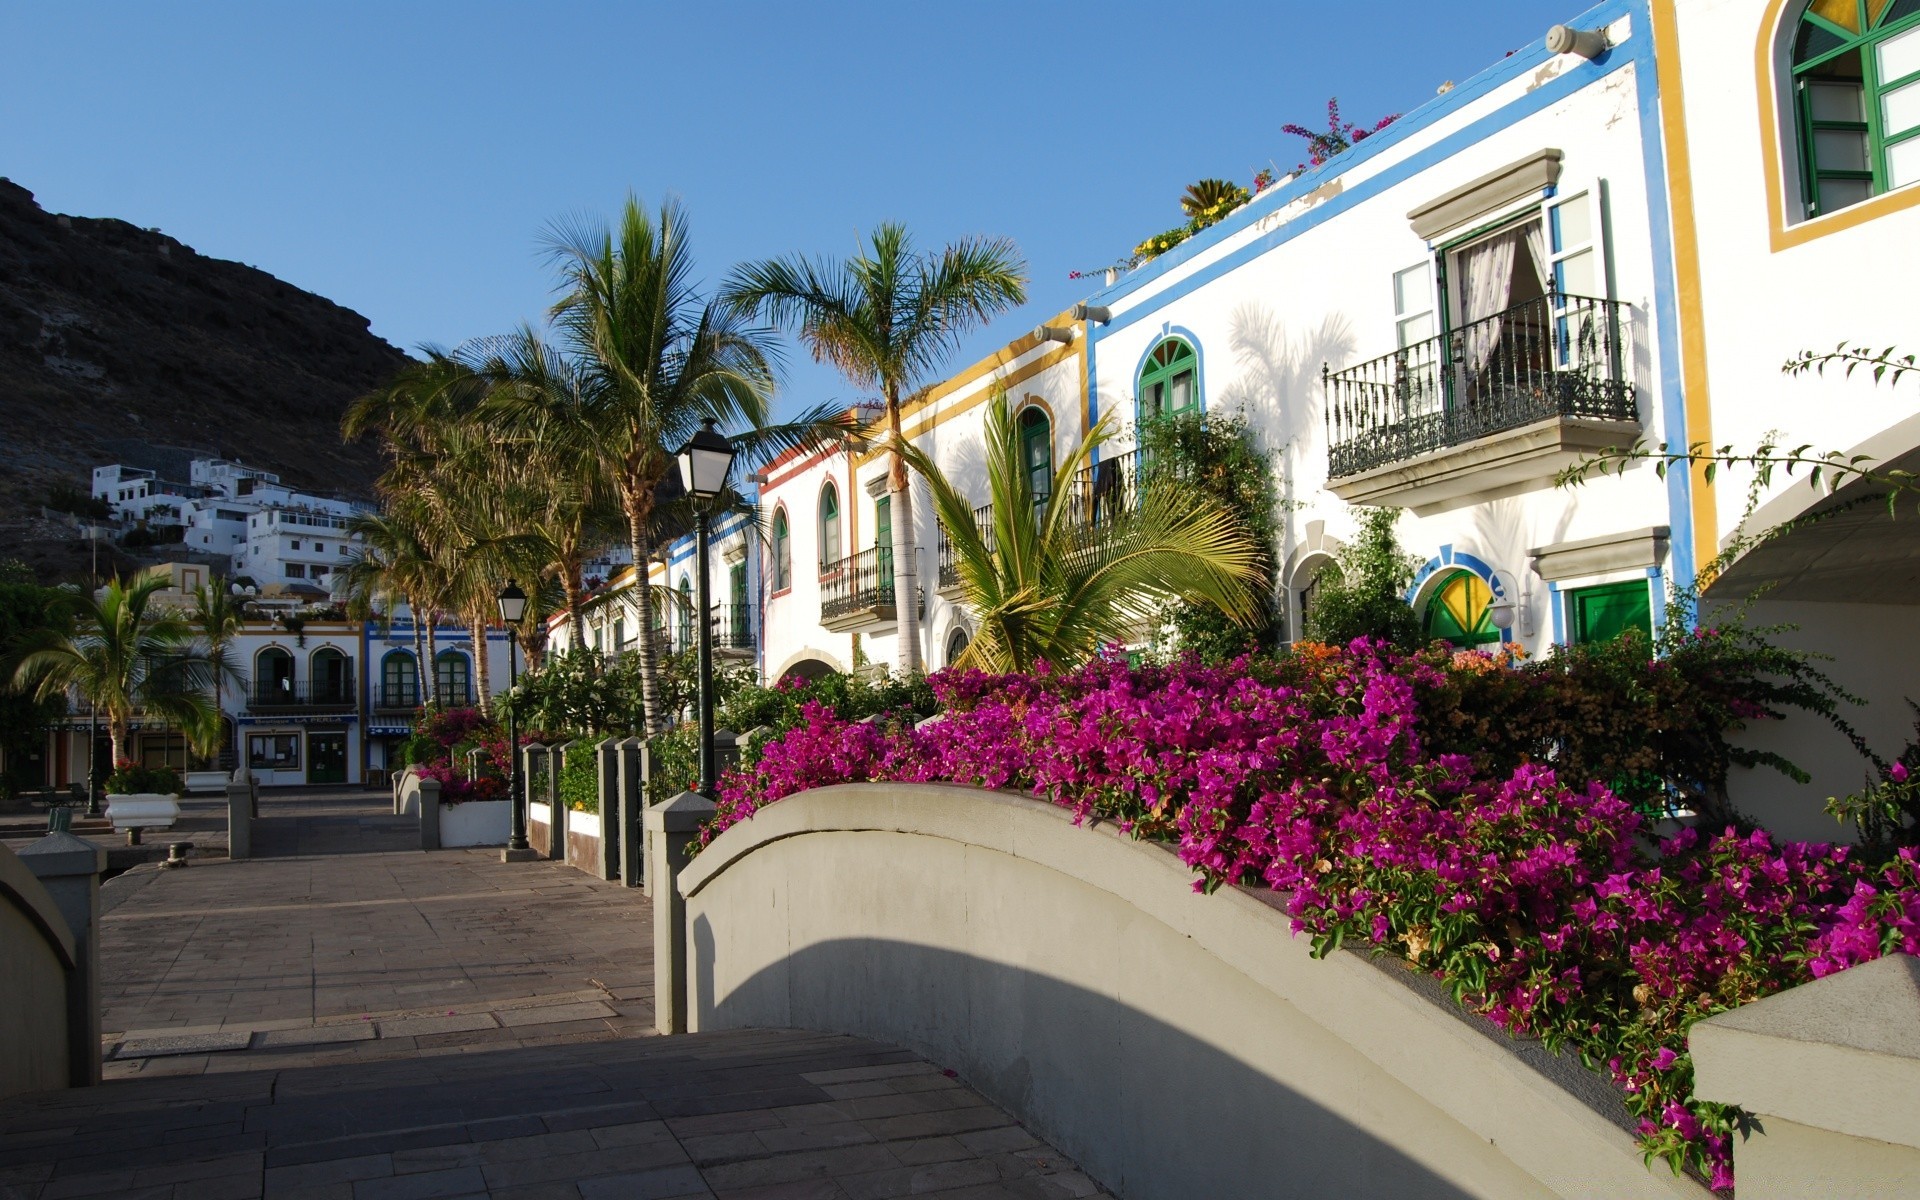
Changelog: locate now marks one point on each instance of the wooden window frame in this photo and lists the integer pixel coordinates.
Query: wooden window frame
(1872, 90)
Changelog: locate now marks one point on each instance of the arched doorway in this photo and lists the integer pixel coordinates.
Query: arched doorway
(273, 676)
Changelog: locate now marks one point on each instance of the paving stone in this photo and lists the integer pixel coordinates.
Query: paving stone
(162, 1045)
(415, 1026)
(314, 1035)
(657, 1184)
(555, 1013)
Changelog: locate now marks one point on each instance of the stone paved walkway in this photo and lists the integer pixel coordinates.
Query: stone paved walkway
(359, 1020)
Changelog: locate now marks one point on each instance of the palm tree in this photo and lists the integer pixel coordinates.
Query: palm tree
(1046, 584)
(652, 360)
(125, 655)
(886, 319)
(217, 617)
(389, 565)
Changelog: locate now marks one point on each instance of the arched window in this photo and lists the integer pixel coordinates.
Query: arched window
(273, 675)
(1036, 451)
(686, 613)
(1459, 611)
(1856, 81)
(399, 681)
(331, 675)
(957, 643)
(782, 552)
(829, 526)
(1169, 382)
(451, 675)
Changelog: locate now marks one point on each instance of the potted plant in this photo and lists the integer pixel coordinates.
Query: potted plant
(142, 798)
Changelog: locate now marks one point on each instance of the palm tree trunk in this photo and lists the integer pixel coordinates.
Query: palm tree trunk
(906, 573)
(576, 612)
(422, 668)
(484, 700)
(642, 547)
(433, 657)
(117, 735)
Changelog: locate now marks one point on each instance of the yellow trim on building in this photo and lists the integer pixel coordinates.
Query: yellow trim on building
(1784, 236)
(1014, 378)
(1686, 269)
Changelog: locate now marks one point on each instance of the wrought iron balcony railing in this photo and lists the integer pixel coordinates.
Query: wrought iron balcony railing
(949, 568)
(733, 627)
(1558, 356)
(858, 583)
(396, 697)
(268, 694)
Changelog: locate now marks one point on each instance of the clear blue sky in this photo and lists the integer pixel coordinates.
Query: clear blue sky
(403, 158)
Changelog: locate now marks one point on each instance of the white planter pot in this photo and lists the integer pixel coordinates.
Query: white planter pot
(476, 823)
(206, 781)
(142, 810)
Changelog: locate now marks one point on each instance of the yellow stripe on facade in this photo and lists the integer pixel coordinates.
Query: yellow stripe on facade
(1686, 269)
(941, 417)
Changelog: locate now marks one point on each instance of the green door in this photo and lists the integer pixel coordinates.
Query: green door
(326, 758)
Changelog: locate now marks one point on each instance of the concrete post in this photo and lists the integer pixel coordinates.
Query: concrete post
(606, 759)
(533, 755)
(240, 819)
(1831, 1072)
(726, 753)
(69, 868)
(633, 798)
(671, 826)
(556, 763)
(429, 814)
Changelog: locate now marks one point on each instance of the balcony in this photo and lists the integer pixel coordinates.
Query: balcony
(949, 580)
(394, 699)
(857, 592)
(1505, 401)
(733, 630)
(287, 696)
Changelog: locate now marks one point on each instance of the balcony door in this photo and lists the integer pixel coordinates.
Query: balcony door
(1501, 324)
(883, 540)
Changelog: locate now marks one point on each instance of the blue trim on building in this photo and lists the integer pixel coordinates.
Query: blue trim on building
(1450, 559)
(1557, 610)
(1658, 601)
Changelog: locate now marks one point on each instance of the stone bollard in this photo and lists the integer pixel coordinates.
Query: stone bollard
(429, 814)
(606, 760)
(672, 825)
(726, 753)
(556, 809)
(69, 868)
(240, 803)
(532, 755)
(633, 799)
(1830, 1071)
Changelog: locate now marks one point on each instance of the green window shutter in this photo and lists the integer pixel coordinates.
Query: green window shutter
(1036, 451)
(883, 534)
(1602, 613)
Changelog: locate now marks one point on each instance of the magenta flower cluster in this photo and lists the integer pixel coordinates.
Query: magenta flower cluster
(1544, 905)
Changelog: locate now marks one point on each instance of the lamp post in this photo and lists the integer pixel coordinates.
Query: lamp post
(513, 606)
(704, 463)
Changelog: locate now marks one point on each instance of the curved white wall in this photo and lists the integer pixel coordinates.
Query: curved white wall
(1177, 1045)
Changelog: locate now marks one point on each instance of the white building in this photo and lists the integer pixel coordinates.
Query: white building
(1568, 252)
(296, 543)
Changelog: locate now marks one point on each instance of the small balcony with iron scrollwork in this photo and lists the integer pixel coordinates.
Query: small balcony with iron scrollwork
(857, 592)
(1498, 403)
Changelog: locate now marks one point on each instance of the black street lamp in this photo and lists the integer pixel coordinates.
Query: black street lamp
(704, 463)
(513, 606)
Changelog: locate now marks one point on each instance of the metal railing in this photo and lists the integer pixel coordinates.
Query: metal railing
(397, 696)
(733, 626)
(1107, 488)
(1558, 356)
(859, 582)
(949, 568)
(269, 693)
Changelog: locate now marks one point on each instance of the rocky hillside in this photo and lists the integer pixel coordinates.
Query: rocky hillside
(119, 344)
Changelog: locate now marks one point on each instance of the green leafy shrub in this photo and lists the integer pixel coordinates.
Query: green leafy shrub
(129, 778)
(1363, 593)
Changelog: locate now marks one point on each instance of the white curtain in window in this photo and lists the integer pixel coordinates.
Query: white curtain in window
(1536, 238)
(1486, 282)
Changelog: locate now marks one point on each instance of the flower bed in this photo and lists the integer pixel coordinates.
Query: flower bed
(1543, 903)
